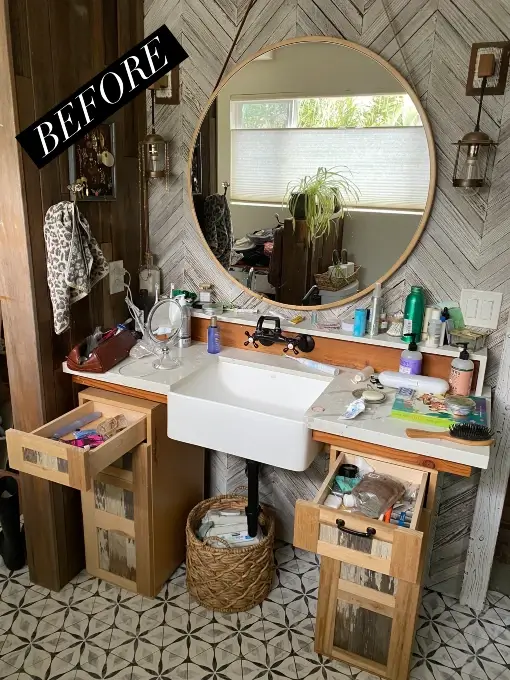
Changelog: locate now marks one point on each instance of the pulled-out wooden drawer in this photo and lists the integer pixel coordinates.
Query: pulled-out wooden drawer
(36, 453)
(341, 535)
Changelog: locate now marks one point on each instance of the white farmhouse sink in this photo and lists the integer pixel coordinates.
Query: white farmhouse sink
(247, 409)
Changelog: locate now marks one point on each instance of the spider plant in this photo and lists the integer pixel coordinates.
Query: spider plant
(325, 195)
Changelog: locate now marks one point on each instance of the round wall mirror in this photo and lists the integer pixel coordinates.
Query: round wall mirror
(312, 172)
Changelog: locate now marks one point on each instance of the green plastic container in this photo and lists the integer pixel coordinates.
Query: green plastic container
(413, 314)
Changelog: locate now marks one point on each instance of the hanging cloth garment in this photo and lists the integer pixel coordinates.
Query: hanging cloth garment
(74, 260)
(217, 228)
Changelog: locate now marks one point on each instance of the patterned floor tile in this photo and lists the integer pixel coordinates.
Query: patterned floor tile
(49, 668)
(314, 666)
(215, 663)
(93, 630)
(238, 634)
(269, 662)
(287, 628)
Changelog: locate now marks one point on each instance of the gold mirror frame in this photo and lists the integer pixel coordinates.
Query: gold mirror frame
(432, 157)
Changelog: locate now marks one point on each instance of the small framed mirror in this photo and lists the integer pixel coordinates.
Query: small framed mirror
(312, 173)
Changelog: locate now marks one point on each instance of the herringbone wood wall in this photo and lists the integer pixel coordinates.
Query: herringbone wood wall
(467, 239)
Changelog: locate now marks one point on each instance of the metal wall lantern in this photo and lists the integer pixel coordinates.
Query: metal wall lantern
(475, 149)
(488, 70)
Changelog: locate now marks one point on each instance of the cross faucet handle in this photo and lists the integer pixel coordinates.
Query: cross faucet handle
(291, 345)
(250, 340)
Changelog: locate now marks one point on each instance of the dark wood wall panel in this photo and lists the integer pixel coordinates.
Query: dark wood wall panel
(57, 45)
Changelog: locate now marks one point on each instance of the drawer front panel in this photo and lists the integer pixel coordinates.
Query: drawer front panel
(393, 551)
(114, 499)
(37, 454)
(362, 632)
(117, 553)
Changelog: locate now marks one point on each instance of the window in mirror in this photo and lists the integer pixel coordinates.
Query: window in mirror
(379, 139)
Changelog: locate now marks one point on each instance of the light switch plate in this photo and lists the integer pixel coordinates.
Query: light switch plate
(480, 308)
(116, 272)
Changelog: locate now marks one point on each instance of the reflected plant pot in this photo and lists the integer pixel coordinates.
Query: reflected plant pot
(297, 206)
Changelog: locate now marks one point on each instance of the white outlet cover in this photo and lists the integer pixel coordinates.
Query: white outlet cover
(116, 274)
(480, 308)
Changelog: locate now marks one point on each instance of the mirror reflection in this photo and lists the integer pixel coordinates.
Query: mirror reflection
(310, 173)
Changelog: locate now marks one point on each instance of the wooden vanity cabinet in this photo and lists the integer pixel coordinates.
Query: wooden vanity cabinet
(136, 489)
(369, 587)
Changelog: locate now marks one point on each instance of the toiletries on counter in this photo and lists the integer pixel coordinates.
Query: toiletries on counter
(395, 324)
(461, 374)
(413, 314)
(448, 326)
(327, 369)
(422, 383)
(213, 337)
(434, 329)
(360, 323)
(411, 359)
(184, 338)
(363, 375)
(375, 310)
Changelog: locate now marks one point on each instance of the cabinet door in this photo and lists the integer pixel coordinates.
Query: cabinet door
(366, 619)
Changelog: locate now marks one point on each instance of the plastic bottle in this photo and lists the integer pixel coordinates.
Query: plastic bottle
(375, 311)
(411, 359)
(185, 330)
(461, 374)
(413, 314)
(213, 337)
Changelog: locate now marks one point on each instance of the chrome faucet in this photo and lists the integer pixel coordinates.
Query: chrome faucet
(249, 280)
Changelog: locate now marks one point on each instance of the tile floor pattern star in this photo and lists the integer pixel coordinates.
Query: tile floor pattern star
(92, 630)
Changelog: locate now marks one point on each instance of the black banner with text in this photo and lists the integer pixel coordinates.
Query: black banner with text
(97, 100)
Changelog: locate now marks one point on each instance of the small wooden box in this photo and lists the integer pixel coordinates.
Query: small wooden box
(134, 514)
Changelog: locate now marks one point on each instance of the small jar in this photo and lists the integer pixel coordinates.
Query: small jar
(395, 324)
(205, 293)
(383, 323)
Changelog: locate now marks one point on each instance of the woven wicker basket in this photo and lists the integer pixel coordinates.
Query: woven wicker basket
(329, 281)
(228, 579)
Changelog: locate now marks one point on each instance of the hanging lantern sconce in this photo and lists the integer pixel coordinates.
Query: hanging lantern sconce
(153, 166)
(475, 151)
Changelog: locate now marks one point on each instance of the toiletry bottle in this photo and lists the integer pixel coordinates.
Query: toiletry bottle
(213, 337)
(185, 330)
(375, 310)
(360, 323)
(413, 314)
(461, 374)
(410, 360)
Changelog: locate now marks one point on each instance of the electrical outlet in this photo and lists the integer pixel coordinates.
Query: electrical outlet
(116, 272)
(480, 308)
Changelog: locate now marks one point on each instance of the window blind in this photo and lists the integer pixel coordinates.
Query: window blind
(389, 165)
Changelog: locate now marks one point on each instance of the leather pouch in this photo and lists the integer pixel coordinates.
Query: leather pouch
(106, 355)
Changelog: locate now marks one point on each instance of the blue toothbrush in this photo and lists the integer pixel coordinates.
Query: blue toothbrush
(76, 425)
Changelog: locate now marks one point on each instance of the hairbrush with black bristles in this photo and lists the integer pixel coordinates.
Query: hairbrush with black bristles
(472, 434)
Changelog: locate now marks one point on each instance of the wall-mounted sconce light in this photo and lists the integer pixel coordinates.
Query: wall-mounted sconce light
(153, 164)
(488, 70)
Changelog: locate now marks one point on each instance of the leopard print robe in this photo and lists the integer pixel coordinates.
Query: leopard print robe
(74, 260)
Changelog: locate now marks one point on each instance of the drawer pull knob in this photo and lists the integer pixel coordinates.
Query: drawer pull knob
(369, 533)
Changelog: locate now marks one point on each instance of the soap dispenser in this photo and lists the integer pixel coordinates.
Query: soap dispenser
(461, 374)
(411, 358)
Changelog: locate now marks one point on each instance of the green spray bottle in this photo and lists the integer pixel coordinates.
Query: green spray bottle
(413, 314)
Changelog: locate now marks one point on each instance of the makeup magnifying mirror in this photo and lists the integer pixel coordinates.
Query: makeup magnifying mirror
(163, 326)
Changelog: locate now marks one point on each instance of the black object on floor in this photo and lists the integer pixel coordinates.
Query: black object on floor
(253, 507)
(12, 538)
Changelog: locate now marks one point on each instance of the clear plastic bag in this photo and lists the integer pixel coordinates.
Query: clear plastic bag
(145, 347)
(376, 493)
